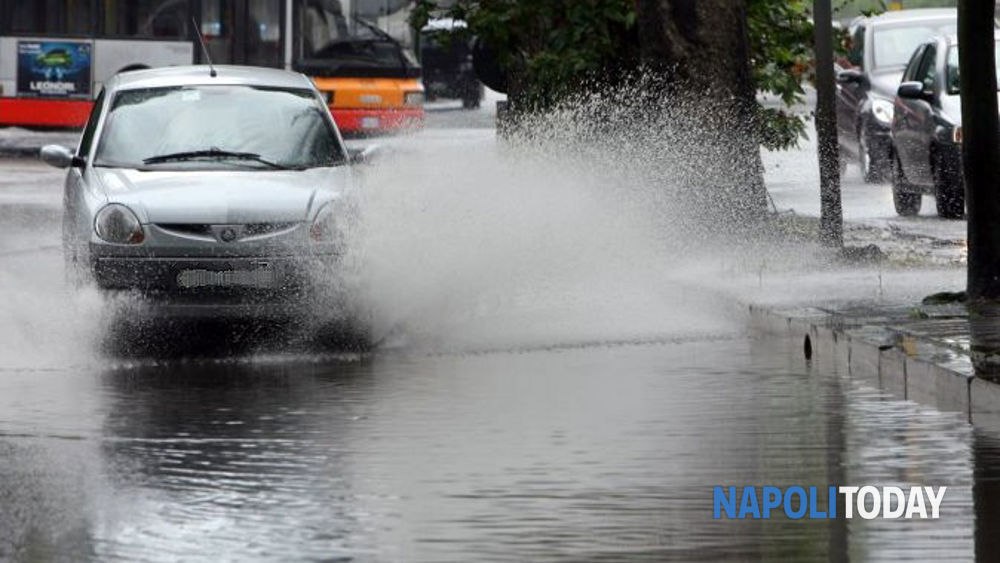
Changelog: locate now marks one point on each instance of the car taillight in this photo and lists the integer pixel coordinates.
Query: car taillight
(413, 98)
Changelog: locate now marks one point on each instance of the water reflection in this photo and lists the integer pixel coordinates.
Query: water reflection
(250, 455)
(582, 454)
(984, 339)
(986, 494)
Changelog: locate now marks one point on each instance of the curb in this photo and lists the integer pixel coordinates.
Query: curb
(905, 366)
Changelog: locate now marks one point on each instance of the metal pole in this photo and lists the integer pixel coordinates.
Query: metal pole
(831, 222)
(980, 146)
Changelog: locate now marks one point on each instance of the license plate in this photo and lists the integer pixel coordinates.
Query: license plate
(259, 278)
(369, 123)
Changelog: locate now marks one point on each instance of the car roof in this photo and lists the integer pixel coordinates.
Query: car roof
(897, 16)
(952, 39)
(198, 75)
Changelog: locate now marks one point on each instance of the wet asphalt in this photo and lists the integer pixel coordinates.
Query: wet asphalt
(246, 444)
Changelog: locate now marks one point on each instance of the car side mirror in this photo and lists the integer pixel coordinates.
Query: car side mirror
(60, 156)
(364, 155)
(850, 76)
(911, 91)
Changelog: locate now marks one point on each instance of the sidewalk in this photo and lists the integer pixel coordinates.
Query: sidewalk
(25, 143)
(934, 354)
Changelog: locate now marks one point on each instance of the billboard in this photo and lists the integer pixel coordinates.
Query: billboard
(54, 69)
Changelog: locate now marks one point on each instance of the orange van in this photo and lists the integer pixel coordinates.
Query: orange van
(370, 80)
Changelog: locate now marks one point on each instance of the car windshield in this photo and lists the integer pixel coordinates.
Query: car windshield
(894, 44)
(953, 75)
(349, 45)
(218, 126)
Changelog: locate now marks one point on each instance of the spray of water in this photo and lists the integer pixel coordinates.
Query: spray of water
(580, 228)
(601, 221)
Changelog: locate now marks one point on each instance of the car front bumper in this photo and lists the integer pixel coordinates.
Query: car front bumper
(219, 287)
(878, 134)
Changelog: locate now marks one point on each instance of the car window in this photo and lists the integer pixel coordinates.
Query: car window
(856, 55)
(284, 126)
(88, 132)
(894, 44)
(953, 77)
(911, 68)
(928, 68)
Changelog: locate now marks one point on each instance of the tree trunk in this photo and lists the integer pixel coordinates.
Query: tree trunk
(831, 222)
(701, 48)
(980, 149)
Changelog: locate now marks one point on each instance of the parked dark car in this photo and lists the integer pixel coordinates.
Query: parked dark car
(927, 131)
(880, 48)
(446, 56)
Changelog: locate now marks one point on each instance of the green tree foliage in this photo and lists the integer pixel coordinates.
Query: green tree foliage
(781, 52)
(551, 48)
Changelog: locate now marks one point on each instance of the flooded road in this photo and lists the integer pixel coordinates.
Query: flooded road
(603, 453)
(559, 396)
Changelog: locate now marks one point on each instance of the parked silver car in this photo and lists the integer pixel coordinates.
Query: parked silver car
(207, 193)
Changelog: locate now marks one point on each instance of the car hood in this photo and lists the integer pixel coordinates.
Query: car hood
(224, 196)
(886, 83)
(952, 107)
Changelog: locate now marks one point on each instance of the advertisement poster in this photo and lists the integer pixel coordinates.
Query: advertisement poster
(53, 69)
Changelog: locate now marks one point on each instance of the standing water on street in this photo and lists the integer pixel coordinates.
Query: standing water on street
(562, 374)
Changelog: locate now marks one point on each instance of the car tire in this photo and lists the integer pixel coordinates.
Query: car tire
(905, 199)
(471, 101)
(873, 167)
(345, 335)
(949, 191)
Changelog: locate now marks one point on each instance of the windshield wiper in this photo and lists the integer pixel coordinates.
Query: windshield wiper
(377, 30)
(213, 153)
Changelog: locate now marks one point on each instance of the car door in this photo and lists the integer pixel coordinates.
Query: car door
(920, 112)
(76, 223)
(851, 93)
(901, 121)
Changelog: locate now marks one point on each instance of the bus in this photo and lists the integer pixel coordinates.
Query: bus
(55, 55)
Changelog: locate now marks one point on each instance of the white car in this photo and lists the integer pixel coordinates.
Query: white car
(208, 193)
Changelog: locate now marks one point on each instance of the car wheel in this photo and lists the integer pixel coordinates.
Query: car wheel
(471, 100)
(872, 165)
(345, 335)
(949, 191)
(905, 199)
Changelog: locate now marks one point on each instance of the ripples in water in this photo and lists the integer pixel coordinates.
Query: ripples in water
(566, 454)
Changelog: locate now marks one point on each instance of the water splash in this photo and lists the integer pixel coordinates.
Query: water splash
(576, 232)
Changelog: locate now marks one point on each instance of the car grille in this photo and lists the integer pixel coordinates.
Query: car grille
(255, 229)
(205, 230)
(187, 228)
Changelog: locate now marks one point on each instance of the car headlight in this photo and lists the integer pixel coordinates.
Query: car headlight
(117, 224)
(330, 225)
(956, 134)
(413, 98)
(882, 110)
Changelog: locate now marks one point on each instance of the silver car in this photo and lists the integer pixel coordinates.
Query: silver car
(208, 193)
